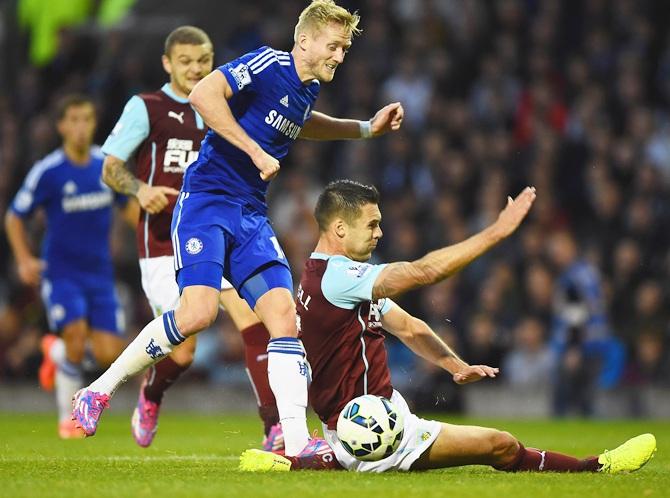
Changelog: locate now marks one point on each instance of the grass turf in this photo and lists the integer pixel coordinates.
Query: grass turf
(196, 456)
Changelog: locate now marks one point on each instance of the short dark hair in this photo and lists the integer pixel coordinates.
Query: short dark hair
(186, 35)
(343, 198)
(71, 100)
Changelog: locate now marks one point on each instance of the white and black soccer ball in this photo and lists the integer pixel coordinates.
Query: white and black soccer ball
(370, 428)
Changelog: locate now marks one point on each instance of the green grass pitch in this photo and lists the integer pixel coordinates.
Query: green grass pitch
(196, 456)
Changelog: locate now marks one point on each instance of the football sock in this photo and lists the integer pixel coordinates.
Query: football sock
(68, 381)
(153, 343)
(256, 339)
(57, 351)
(288, 373)
(532, 459)
(160, 377)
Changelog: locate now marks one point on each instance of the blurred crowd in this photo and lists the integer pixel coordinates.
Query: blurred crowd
(570, 97)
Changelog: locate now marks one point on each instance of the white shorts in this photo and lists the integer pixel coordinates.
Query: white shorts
(418, 436)
(160, 285)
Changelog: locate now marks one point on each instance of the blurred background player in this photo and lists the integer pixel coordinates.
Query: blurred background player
(255, 106)
(164, 132)
(344, 307)
(75, 270)
(589, 357)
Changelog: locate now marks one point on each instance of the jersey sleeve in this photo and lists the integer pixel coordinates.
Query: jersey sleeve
(347, 283)
(130, 131)
(386, 305)
(33, 193)
(251, 71)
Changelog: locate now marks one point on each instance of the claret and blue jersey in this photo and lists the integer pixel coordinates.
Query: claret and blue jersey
(271, 104)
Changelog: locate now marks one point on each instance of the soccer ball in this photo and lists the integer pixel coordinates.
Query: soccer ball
(370, 428)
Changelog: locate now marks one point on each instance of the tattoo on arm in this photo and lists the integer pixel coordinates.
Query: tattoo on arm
(116, 175)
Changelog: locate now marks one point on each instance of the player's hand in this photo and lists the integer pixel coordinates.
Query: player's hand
(515, 211)
(388, 118)
(153, 199)
(268, 165)
(474, 373)
(30, 270)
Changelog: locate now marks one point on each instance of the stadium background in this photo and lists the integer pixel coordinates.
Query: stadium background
(572, 97)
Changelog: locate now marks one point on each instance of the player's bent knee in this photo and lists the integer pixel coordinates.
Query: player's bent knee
(504, 447)
(195, 321)
(196, 316)
(278, 316)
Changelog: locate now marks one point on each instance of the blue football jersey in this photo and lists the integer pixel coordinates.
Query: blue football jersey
(272, 105)
(78, 208)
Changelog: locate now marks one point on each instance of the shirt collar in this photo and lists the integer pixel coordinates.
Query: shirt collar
(167, 89)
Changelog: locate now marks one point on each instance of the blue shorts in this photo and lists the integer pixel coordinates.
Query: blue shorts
(211, 228)
(69, 299)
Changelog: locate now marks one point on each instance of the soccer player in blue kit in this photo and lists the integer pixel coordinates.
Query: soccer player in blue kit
(75, 272)
(255, 107)
(163, 133)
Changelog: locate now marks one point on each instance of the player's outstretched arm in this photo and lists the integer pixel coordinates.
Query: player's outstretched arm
(28, 266)
(320, 126)
(420, 338)
(210, 98)
(152, 198)
(437, 265)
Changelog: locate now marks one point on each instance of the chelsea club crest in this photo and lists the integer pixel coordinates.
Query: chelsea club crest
(193, 245)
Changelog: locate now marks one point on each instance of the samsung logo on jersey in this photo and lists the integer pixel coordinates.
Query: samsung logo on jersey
(282, 124)
(87, 202)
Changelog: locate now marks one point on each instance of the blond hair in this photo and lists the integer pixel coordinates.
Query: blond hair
(320, 13)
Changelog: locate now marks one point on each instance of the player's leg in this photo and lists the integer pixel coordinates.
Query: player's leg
(466, 445)
(158, 378)
(459, 445)
(53, 353)
(255, 337)
(200, 269)
(258, 268)
(288, 371)
(160, 287)
(197, 309)
(69, 375)
(66, 311)
(106, 345)
(106, 322)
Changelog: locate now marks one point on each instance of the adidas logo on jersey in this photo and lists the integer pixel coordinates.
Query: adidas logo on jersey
(284, 101)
